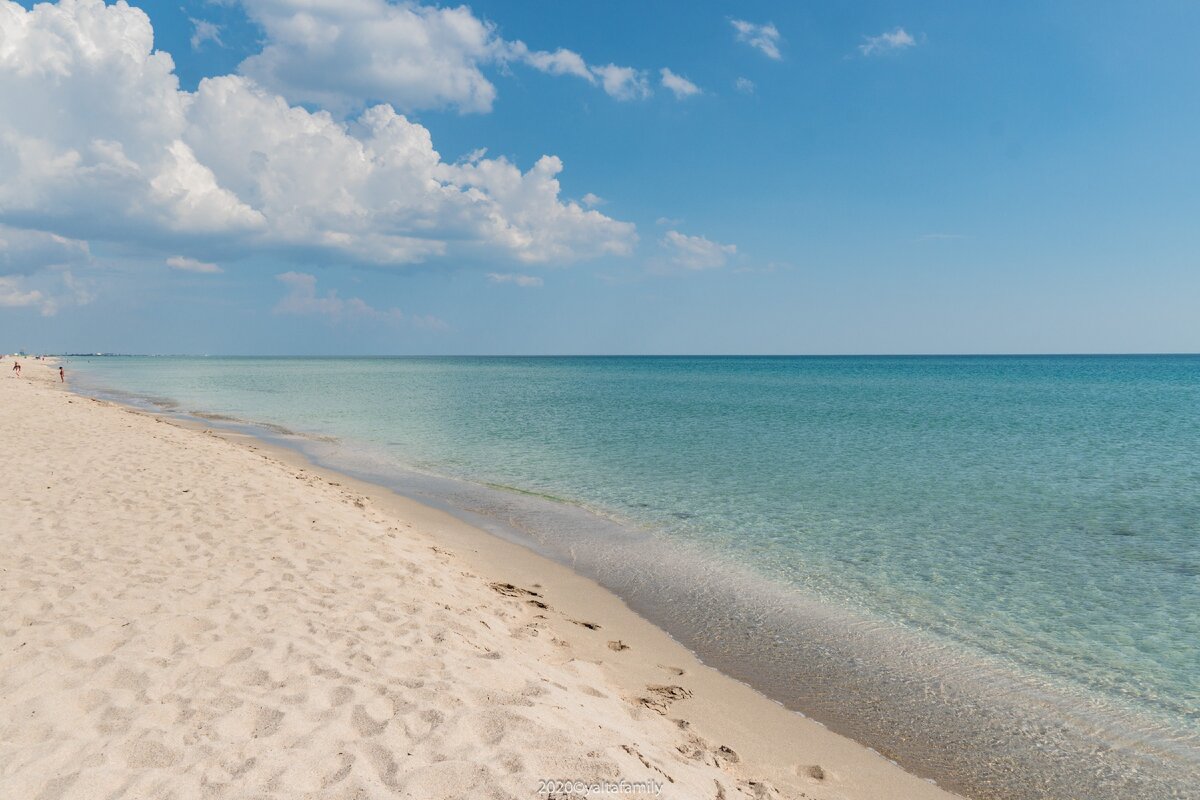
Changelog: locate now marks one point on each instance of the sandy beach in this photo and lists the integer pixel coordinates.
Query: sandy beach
(190, 613)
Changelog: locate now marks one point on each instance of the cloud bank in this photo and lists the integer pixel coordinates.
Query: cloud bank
(97, 142)
(339, 54)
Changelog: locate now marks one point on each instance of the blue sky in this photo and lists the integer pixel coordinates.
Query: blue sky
(826, 178)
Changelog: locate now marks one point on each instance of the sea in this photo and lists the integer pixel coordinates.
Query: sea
(985, 568)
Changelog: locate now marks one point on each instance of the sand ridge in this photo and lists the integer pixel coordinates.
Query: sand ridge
(188, 618)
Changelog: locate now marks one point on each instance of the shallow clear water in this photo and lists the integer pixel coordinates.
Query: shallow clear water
(1034, 520)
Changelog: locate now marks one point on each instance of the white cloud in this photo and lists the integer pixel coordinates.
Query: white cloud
(48, 292)
(97, 142)
(512, 277)
(343, 55)
(623, 83)
(560, 62)
(744, 85)
(338, 55)
(204, 31)
(764, 38)
(696, 252)
(668, 222)
(12, 295)
(528, 219)
(186, 264)
(678, 84)
(592, 200)
(91, 124)
(888, 42)
(620, 83)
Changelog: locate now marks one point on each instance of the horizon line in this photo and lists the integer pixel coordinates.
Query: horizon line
(621, 355)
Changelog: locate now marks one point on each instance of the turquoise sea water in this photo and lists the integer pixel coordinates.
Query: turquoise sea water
(986, 567)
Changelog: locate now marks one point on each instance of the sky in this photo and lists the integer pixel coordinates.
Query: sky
(550, 177)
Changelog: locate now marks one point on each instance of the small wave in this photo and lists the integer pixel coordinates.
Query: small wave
(215, 417)
(518, 490)
(278, 430)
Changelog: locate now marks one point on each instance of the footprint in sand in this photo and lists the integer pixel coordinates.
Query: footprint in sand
(591, 626)
(660, 698)
(340, 695)
(725, 756)
(370, 719)
(508, 590)
(221, 654)
(149, 754)
(249, 722)
(311, 778)
(383, 762)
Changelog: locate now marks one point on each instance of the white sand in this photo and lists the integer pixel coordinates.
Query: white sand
(192, 615)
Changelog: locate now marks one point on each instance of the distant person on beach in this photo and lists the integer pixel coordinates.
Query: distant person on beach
(17, 368)
(62, 378)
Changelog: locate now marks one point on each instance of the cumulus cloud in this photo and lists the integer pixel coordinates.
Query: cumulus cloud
(592, 200)
(97, 142)
(514, 278)
(560, 62)
(764, 38)
(888, 42)
(338, 54)
(620, 83)
(35, 270)
(744, 85)
(623, 83)
(91, 129)
(680, 86)
(12, 295)
(47, 292)
(696, 252)
(185, 264)
(343, 55)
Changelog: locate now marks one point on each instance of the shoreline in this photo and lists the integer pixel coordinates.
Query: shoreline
(974, 724)
(784, 750)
